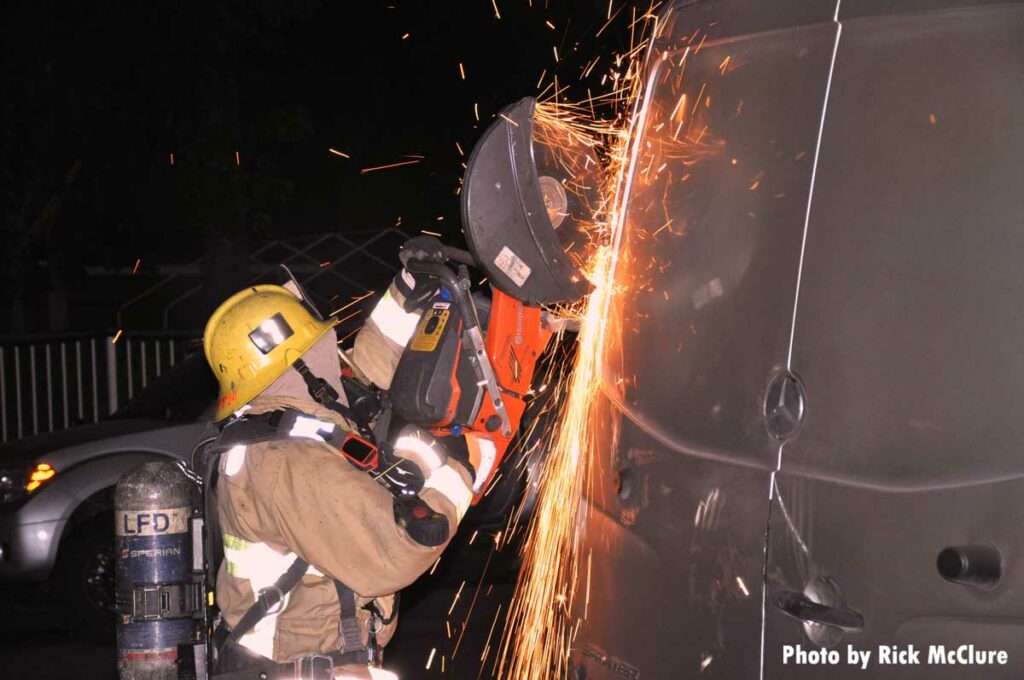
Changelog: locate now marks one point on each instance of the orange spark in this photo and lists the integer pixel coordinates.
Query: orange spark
(390, 165)
(338, 153)
(352, 302)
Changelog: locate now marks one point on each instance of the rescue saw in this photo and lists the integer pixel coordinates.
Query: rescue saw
(469, 368)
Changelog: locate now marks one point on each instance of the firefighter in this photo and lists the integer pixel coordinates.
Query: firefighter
(317, 539)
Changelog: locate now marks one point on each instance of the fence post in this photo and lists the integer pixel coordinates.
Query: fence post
(95, 382)
(35, 391)
(78, 371)
(64, 379)
(111, 376)
(17, 387)
(142, 361)
(131, 376)
(49, 388)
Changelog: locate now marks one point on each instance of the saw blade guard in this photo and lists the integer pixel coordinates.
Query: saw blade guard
(528, 204)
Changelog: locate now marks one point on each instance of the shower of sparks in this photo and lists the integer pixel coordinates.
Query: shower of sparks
(647, 145)
(541, 624)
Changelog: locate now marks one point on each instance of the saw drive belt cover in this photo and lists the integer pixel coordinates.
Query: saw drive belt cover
(505, 217)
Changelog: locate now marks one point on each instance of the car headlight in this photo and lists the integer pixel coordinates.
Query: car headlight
(17, 483)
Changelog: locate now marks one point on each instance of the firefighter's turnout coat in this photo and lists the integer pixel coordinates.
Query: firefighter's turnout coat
(300, 497)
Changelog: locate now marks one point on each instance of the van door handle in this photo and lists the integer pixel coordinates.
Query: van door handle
(801, 607)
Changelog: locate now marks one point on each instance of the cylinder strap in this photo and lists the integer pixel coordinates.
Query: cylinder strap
(159, 602)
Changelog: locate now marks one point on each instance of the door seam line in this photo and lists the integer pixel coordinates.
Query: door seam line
(810, 191)
(792, 327)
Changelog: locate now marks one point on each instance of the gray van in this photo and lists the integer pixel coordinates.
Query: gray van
(813, 438)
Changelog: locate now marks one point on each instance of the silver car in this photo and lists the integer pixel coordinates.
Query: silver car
(56, 491)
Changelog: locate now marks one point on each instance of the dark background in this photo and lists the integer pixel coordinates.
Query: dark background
(97, 95)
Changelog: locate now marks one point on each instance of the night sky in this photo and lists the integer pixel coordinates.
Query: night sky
(98, 95)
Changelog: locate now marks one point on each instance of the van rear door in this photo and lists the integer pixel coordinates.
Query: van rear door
(908, 337)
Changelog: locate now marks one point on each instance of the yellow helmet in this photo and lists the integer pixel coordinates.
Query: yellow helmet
(252, 339)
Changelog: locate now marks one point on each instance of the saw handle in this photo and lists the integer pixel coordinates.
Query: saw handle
(450, 281)
(461, 256)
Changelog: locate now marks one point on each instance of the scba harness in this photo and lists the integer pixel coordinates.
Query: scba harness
(401, 477)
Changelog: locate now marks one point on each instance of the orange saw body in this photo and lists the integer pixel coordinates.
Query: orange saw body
(436, 387)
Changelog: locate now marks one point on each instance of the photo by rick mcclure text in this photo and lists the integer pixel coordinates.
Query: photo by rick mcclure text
(895, 655)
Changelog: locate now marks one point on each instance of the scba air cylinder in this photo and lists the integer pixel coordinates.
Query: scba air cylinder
(158, 593)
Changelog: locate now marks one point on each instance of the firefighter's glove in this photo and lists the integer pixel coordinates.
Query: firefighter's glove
(421, 447)
(398, 474)
(424, 248)
(421, 522)
(417, 290)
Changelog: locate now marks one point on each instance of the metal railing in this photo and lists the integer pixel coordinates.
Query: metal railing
(324, 263)
(52, 382)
